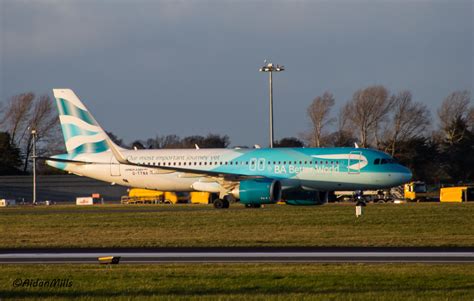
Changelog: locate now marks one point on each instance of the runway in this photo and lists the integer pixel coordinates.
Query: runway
(242, 255)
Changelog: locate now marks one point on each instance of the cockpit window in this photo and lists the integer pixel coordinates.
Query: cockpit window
(383, 161)
(377, 161)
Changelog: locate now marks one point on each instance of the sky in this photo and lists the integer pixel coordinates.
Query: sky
(147, 68)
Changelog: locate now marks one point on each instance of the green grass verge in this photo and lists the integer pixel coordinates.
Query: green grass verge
(423, 224)
(244, 282)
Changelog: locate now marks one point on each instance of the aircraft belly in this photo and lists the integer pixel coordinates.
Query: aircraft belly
(342, 180)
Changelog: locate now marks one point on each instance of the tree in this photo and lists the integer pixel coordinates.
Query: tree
(344, 134)
(24, 112)
(16, 115)
(168, 141)
(115, 139)
(367, 110)
(410, 120)
(10, 160)
(421, 156)
(318, 111)
(289, 142)
(455, 109)
(215, 141)
(137, 144)
(46, 122)
(457, 160)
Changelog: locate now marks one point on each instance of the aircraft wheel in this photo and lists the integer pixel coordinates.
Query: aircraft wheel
(226, 203)
(220, 204)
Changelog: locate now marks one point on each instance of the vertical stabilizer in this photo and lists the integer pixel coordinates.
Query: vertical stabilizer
(82, 133)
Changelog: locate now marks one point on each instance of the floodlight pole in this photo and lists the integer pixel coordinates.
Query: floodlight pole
(33, 133)
(270, 68)
(270, 79)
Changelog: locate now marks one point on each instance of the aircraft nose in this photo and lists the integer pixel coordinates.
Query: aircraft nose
(406, 175)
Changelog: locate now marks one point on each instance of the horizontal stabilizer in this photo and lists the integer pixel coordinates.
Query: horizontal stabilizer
(64, 160)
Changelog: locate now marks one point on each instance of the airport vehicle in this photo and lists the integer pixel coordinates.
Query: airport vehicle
(415, 191)
(376, 196)
(418, 191)
(7, 202)
(149, 196)
(457, 194)
(200, 197)
(250, 176)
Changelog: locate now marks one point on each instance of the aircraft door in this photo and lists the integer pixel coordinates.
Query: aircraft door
(353, 164)
(114, 167)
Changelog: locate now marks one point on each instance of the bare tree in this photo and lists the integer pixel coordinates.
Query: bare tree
(16, 115)
(344, 134)
(455, 108)
(45, 120)
(24, 112)
(410, 120)
(368, 108)
(470, 119)
(318, 112)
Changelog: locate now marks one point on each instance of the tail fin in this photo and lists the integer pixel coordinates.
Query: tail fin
(82, 133)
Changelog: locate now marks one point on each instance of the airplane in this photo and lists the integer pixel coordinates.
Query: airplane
(252, 177)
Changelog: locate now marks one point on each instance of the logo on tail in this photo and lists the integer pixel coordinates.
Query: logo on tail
(82, 133)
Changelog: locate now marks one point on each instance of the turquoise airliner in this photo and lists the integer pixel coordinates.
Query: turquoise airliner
(250, 176)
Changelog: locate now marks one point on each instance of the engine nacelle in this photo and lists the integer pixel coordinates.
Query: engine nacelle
(260, 191)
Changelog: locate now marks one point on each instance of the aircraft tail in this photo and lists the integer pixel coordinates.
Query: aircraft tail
(82, 133)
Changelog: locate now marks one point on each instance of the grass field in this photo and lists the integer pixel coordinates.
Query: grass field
(423, 224)
(244, 281)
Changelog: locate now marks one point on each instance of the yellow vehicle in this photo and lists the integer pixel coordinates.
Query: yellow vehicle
(198, 197)
(457, 194)
(415, 191)
(148, 196)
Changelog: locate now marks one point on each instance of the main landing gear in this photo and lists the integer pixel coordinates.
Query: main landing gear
(221, 203)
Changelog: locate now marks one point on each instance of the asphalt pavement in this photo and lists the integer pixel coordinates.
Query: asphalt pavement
(240, 254)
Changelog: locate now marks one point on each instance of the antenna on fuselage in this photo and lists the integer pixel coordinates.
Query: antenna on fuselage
(356, 145)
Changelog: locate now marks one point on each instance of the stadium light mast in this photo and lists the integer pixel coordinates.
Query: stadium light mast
(33, 133)
(270, 68)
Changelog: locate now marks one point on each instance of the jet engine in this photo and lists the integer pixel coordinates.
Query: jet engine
(259, 191)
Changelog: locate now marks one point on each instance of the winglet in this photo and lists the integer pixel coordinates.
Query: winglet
(356, 145)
